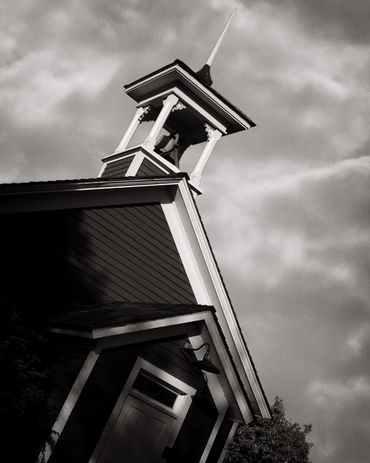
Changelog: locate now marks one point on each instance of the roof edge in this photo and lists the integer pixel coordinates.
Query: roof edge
(193, 74)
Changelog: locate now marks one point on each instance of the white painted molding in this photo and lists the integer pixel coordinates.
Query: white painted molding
(199, 285)
(228, 441)
(180, 409)
(157, 164)
(190, 103)
(186, 253)
(217, 393)
(102, 169)
(217, 101)
(118, 158)
(70, 403)
(179, 107)
(168, 104)
(135, 165)
(231, 384)
(219, 297)
(213, 434)
(160, 159)
(213, 135)
(149, 153)
(133, 327)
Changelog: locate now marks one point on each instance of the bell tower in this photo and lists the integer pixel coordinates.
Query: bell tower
(185, 111)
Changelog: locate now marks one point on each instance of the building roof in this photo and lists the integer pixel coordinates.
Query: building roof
(59, 185)
(89, 192)
(88, 318)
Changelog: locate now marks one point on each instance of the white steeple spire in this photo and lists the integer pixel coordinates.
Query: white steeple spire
(219, 41)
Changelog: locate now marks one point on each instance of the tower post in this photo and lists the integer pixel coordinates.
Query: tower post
(138, 117)
(213, 135)
(168, 104)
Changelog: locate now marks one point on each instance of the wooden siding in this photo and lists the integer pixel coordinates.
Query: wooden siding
(60, 258)
(148, 169)
(88, 419)
(116, 169)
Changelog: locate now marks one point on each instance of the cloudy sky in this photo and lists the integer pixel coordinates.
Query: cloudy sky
(286, 203)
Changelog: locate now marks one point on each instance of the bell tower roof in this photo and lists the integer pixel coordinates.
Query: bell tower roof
(180, 79)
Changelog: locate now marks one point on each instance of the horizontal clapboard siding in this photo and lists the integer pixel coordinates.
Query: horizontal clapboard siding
(134, 249)
(148, 169)
(91, 256)
(117, 168)
(86, 423)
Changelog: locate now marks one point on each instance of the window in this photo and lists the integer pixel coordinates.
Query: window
(155, 388)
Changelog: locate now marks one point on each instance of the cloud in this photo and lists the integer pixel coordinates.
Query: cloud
(294, 247)
(359, 338)
(330, 19)
(302, 221)
(340, 415)
(334, 394)
(285, 204)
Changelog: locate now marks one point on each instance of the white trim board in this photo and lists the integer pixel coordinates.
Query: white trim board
(228, 441)
(207, 284)
(134, 327)
(69, 403)
(110, 161)
(189, 102)
(217, 392)
(202, 88)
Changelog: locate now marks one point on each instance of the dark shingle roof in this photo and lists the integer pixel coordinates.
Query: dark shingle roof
(113, 314)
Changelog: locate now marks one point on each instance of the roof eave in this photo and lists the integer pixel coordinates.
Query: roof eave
(244, 121)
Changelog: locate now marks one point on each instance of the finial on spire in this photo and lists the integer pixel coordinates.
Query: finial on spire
(204, 73)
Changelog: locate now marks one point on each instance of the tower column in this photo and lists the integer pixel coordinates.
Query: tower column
(138, 117)
(213, 135)
(168, 104)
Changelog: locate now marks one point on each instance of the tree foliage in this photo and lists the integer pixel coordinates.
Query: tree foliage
(23, 388)
(275, 440)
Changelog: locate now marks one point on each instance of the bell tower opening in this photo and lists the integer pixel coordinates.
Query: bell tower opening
(184, 111)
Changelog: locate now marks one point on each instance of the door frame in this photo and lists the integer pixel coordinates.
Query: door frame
(178, 412)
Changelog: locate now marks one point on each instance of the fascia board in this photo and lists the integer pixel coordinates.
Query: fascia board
(189, 102)
(221, 106)
(228, 367)
(111, 192)
(100, 333)
(219, 298)
(109, 337)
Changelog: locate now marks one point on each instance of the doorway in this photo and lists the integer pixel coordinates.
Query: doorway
(146, 418)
